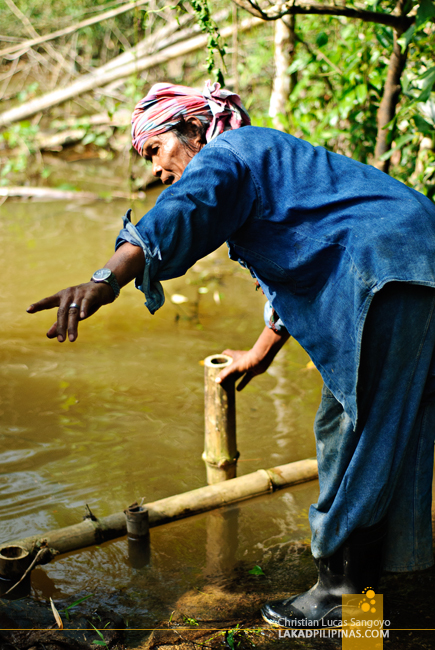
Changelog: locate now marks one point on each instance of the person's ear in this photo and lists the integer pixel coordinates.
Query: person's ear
(196, 127)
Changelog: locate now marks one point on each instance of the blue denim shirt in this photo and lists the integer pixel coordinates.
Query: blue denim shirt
(321, 232)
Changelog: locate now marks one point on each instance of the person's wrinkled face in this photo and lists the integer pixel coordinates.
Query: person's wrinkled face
(169, 157)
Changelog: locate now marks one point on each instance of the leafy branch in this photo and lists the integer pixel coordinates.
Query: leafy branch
(214, 44)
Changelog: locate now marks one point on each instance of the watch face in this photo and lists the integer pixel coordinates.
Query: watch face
(102, 274)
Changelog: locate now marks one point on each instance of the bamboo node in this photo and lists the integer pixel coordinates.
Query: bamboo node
(222, 462)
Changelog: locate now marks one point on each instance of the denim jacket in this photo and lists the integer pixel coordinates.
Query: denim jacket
(321, 233)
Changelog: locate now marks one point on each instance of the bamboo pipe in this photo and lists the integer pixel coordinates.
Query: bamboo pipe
(220, 446)
(14, 560)
(88, 532)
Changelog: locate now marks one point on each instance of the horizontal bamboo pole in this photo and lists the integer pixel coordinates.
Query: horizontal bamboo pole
(88, 532)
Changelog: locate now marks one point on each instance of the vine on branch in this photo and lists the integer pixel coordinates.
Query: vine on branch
(209, 27)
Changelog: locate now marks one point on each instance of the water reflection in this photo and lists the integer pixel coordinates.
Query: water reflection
(222, 543)
(118, 415)
(139, 552)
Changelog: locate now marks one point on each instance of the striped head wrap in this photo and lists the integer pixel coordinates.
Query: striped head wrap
(167, 104)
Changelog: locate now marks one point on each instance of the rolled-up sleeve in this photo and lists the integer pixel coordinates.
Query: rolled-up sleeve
(213, 199)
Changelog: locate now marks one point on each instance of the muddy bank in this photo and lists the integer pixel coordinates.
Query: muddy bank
(228, 615)
(224, 613)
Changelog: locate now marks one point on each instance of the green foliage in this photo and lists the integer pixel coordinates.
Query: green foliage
(257, 571)
(67, 609)
(341, 72)
(231, 639)
(19, 137)
(101, 640)
(341, 67)
(21, 134)
(256, 69)
(238, 638)
(134, 89)
(189, 621)
(414, 144)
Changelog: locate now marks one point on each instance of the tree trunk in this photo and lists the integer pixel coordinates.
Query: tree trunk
(390, 98)
(291, 23)
(281, 81)
(235, 57)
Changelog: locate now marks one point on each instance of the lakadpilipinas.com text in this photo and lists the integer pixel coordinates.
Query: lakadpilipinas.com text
(357, 629)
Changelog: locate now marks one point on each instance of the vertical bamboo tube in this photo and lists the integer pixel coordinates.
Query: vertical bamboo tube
(220, 449)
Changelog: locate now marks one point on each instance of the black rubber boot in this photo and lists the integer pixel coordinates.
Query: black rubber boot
(355, 566)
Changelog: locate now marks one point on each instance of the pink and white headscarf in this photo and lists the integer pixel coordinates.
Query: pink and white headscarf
(167, 104)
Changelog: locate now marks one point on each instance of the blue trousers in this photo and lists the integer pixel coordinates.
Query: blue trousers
(384, 465)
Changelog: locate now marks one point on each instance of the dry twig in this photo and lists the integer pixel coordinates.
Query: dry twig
(38, 40)
(32, 31)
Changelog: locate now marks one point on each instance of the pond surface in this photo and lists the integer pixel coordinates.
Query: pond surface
(118, 415)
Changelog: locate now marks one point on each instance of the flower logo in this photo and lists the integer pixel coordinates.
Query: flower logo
(368, 603)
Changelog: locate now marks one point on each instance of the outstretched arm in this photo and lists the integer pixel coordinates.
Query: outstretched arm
(127, 263)
(249, 364)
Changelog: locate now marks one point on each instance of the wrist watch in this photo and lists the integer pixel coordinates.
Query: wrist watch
(106, 275)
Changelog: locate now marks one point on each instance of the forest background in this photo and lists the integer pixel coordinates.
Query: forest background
(357, 78)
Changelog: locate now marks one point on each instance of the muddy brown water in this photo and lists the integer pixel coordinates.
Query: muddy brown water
(118, 415)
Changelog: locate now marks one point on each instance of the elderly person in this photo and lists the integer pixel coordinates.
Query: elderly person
(345, 257)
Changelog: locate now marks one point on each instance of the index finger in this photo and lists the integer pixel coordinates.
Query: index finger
(45, 303)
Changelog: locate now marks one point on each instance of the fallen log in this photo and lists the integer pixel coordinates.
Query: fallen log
(53, 194)
(96, 79)
(55, 141)
(164, 37)
(89, 532)
(46, 193)
(168, 35)
(46, 141)
(122, 117)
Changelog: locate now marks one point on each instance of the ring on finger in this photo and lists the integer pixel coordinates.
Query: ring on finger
(74, 305)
